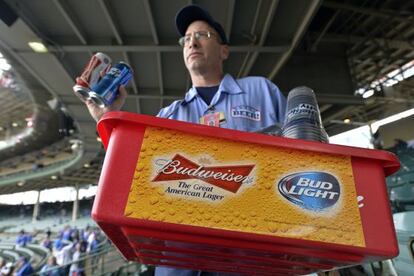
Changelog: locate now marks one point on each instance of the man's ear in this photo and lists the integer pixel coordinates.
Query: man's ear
(224, 52)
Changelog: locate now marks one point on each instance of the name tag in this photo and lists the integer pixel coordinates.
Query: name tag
(213, 119)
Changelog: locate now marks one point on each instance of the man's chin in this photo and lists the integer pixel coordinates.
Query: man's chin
(196, 67)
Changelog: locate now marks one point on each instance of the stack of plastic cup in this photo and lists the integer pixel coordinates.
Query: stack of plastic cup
(303, 119)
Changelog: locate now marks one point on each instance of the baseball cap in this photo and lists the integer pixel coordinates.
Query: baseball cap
(191, 13)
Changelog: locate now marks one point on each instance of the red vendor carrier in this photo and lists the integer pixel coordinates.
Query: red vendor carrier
(197, 197)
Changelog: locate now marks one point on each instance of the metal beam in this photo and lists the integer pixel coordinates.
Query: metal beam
(382, 13)
(74, 26)
(384, 68)
(148, 11)
(310, 11)
(401, 29)
(324, 30)
(70, 100)
(111, 21)
(338, 99)
(368, 37)
(152, 48)
(269, 18)
(156, 97)
(322, 98)
(229, 21)
(392, 43)
(115, 31)
(338, 114)
(252, 34)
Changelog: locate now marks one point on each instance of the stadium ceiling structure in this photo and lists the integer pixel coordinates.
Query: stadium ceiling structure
(339, 48)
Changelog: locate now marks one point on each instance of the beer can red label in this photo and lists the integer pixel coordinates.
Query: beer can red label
(97, 66)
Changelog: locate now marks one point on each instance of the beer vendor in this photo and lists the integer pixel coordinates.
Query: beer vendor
(215, 98)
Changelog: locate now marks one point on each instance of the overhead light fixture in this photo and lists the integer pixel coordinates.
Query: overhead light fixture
(38, 47)
(368, 93)
(54, 177)
(20, 183)
(86, 165)
(347, 120)
(99, 139)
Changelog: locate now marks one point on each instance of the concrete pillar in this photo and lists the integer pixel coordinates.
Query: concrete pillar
(36, 208)
(75, 211)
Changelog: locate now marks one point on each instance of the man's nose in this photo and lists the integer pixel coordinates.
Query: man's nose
(194, 42)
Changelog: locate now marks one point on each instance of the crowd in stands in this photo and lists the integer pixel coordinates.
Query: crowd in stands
(22, 267)
(67, 249)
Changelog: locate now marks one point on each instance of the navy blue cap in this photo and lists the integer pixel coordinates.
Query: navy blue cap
(191, 13)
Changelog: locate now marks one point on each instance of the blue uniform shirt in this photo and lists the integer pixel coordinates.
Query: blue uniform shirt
(248, 104)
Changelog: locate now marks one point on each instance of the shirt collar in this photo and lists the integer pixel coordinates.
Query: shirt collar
(228, 85)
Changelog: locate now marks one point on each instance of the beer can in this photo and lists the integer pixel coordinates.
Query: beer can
(97, 66)
(105, 91)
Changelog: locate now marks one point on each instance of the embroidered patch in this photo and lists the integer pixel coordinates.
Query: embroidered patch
(247, 112)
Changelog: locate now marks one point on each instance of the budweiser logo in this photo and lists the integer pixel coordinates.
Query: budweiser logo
(229, 178)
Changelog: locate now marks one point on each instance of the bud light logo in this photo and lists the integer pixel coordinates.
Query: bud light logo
(311, 190)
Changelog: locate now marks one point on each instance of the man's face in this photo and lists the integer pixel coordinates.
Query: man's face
(206, 54)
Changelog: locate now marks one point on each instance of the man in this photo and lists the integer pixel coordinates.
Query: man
(21, 239)
(248, 104)
(216, 99)
(24, 268)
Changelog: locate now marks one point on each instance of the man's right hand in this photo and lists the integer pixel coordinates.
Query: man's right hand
(97, 112)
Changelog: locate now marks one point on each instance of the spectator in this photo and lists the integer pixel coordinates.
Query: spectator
(48, 232)
(21, 239)
(29, 238)
(67, 233)
(58, 244)
(77, 267)
(74, 235)
(2, 262)
(7, 269)
(63, 256)
(92, 242)
(85, 233)
(51, 268)
(92, 248)
(47, 243)
(24, 268)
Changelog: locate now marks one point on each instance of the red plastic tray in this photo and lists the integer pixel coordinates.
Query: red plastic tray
(130, 139)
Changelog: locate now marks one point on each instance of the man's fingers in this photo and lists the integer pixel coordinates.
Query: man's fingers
(120, 99)
(123, 92)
